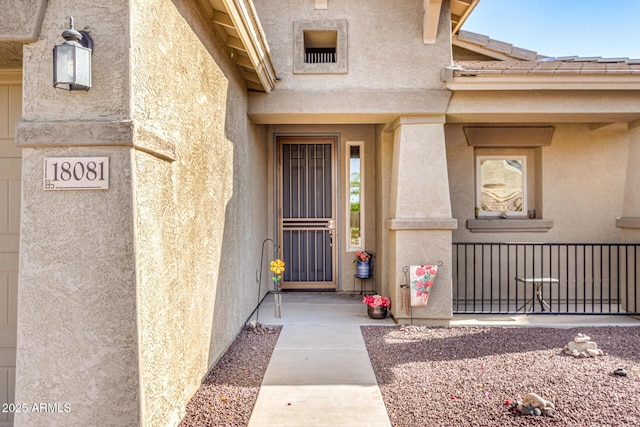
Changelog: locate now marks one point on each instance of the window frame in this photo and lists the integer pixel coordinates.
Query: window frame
(349, 246)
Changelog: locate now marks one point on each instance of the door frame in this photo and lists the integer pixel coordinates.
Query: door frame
(336, 191)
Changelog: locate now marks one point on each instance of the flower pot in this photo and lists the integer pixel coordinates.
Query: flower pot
(377, 312)
(364, 270)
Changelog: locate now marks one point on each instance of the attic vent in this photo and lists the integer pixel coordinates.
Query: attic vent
(320, 47)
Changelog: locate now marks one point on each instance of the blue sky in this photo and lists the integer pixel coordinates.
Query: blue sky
(607, 28)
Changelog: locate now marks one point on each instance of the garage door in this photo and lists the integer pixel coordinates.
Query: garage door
(10, 166)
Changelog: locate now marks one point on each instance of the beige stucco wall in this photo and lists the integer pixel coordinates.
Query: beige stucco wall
(582, 184)
(76, 306)
(385, 46)
(129, 295)
(77, 340)
(199, 221)
(20, 20)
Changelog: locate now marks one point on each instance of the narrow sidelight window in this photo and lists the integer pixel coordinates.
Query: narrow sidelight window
(356, 197)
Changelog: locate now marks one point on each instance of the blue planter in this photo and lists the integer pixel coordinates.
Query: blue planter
(364, 270)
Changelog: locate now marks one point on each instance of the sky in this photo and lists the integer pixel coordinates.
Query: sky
(606, 28)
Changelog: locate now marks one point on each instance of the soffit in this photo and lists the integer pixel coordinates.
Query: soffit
(460, 10)
(237, 24)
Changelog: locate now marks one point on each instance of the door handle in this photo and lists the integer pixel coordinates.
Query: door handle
(330, 227)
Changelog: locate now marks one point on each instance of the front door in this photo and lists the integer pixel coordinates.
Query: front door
(306, 211)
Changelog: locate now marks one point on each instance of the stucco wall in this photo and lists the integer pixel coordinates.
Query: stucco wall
(199, 220)
(77, 325)
(385, 46)
(108, 99)
(583, 178)
(77, 342)
(129, 295)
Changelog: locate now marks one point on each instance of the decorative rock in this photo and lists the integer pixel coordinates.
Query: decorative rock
(620, 372)
(583, 347)
(530, 410)
(593, 352)
(532, 399)
(582, 338)
(532, 404)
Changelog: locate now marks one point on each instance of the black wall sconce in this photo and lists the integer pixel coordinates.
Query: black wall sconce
(72, 60)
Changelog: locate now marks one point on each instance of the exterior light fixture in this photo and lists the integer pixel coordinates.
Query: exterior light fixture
(72, 60)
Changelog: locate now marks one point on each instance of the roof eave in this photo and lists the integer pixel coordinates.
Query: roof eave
(241, 16)
(627, 81)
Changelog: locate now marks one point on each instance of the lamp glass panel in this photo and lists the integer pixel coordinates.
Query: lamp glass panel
(64, 67)
(83, 66)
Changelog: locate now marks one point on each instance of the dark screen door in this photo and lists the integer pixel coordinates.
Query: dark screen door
(307, 211)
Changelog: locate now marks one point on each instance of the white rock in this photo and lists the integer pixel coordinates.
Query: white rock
(582, 338)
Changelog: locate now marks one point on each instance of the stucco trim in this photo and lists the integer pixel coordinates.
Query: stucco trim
(336, 107)
(93, 133)
(628, 222)
(438, 119)
(509, 136)
(421, 224)
(509, 225)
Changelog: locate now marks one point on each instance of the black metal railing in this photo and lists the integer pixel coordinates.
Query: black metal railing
(560, 278)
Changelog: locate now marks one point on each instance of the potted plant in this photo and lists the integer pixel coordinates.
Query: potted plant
(377, 306)
(363, 269)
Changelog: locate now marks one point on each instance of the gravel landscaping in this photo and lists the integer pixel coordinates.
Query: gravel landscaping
(463, 376)
(458, 376)
(228, 393)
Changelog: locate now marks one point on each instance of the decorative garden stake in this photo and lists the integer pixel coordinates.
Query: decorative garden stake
(277, 268)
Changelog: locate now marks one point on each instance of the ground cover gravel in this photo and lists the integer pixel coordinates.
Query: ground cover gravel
(462, 376)
(458, 376)
(228, 393)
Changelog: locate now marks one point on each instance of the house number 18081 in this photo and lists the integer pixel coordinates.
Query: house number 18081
(76, 173)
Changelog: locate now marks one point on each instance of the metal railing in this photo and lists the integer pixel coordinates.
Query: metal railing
(592, 278)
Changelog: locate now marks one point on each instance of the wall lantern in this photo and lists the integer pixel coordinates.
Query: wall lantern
(72, 60)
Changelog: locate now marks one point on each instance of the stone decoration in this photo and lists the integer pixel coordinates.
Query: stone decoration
(582, 346)
(532, 404)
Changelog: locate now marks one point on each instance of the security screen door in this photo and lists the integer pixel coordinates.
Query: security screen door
(306, 212)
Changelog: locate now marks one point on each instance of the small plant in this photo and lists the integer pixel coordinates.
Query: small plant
(376, 301)
(362, 256)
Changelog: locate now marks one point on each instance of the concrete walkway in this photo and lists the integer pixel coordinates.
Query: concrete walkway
(320, 373)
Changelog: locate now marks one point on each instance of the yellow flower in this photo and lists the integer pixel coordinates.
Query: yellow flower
(277, 266)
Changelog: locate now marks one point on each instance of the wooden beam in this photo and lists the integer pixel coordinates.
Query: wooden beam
(431, 20)
(222, 19)
(470, 5)
(243, 61)
(235, 43)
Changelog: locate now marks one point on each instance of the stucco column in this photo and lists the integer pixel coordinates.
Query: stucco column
(631, 205)
(629, 222)
(420, 225)
(77, 344)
